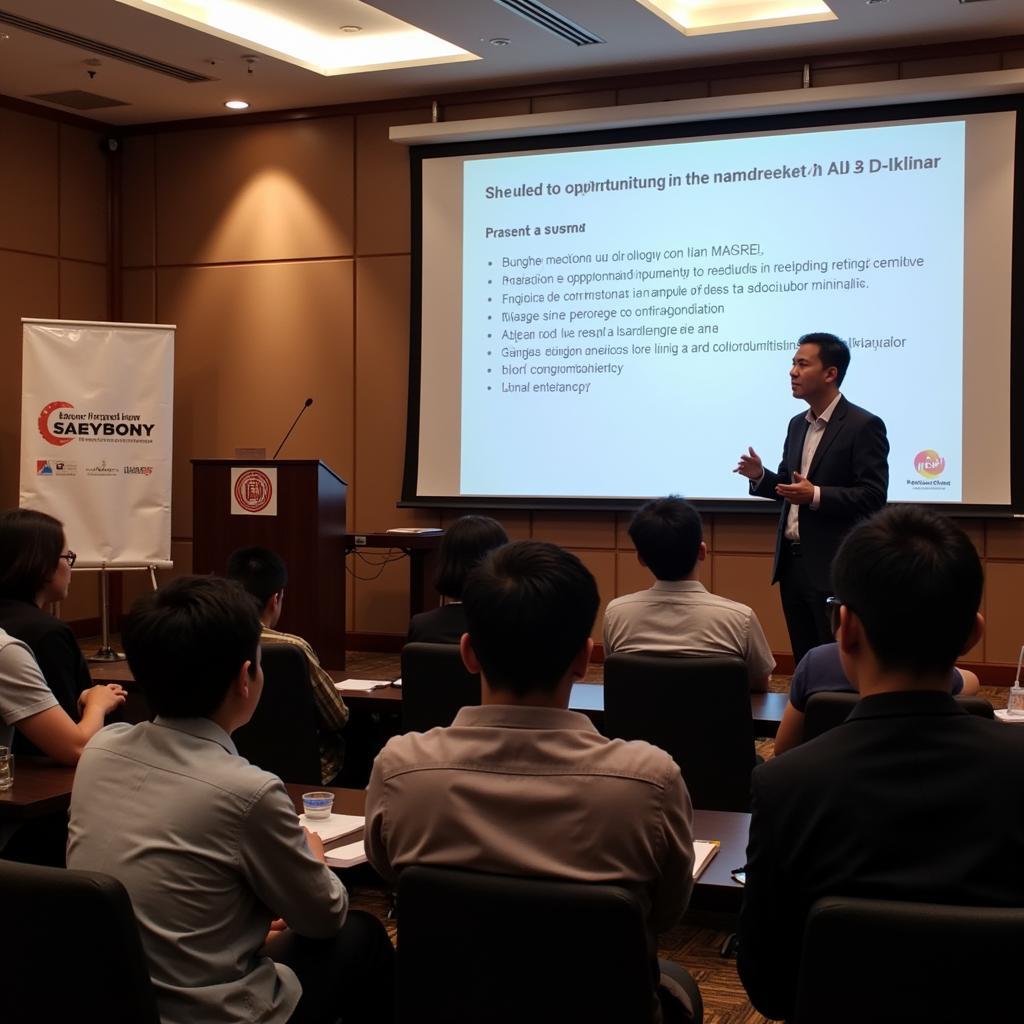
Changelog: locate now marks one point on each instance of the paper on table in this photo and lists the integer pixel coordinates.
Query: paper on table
(366, 685)
(703, 851)
(1004, 716)
(337, 826)
(346, 856)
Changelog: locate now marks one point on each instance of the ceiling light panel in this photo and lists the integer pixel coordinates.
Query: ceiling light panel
(703, 17)
(309, 33)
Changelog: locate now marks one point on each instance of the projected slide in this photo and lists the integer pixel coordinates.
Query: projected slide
(628, 314)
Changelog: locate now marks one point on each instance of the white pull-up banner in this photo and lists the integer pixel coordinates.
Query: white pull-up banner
(96, 436)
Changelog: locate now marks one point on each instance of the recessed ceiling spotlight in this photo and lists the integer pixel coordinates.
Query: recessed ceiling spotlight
(872, 3)
(237, 105)
(351, 28)
(500, 41)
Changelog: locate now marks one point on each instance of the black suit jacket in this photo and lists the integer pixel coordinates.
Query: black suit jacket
(442, 625)
(851, 466)
(910, 798)
(57, 653)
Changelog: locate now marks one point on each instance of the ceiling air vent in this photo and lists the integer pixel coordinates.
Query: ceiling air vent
(104, 49)
(552, 21)
(78, 99)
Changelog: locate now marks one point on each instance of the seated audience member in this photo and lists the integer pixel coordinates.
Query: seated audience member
(35, 570)
(263, 574)
(209, 846)
(900, 801)
(464, 544)
(524, 766)
(678, 615)
(821, 671)
(26, 702)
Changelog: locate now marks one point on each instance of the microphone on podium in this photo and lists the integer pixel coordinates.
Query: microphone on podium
(305, 406)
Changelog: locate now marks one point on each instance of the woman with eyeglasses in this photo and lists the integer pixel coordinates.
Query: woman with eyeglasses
(35, 571)
(46, 695)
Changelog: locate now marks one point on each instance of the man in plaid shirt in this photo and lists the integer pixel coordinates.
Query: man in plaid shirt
(264, 575)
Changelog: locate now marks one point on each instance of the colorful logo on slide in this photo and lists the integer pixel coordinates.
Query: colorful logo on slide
(929, 464)
(253, 490)
(44, 423)
(44, 467)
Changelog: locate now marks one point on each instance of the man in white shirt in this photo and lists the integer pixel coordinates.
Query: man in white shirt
(678, 615)
(834, 472)
(240, 917)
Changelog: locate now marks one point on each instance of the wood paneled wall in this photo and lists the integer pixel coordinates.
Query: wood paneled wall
(53, 263)
(280, 248)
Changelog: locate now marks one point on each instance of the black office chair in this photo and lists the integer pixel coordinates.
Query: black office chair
(696, 709)
(281, 736)
(825, 711)
(892, 962)
(70, 949)
(435, 685)
(476, 947)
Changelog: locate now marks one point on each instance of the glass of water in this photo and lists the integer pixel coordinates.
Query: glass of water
(6, 768)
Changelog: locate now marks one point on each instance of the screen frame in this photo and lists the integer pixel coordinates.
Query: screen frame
(685, 131)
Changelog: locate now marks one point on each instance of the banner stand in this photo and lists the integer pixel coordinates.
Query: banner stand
(105, 652)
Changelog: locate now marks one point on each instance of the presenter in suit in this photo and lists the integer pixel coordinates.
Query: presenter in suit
(834, 471)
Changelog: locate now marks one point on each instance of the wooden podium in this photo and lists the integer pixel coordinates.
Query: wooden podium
(308, 532)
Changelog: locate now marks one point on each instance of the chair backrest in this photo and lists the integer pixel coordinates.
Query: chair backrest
(281, 735)
(70, 949)
(825, 711)
(476, 947)
(888, 961)
(696, 709)
(435, 684)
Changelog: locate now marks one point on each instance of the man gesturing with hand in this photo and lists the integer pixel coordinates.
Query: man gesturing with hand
(834, 471)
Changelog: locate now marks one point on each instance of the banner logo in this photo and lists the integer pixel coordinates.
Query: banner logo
(44, 423)
(43, 468)
(253, 490)
(929, 464)
(138, 470)
(102, 470)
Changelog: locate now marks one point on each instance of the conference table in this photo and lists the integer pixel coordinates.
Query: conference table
(765, 708)
(43, 787)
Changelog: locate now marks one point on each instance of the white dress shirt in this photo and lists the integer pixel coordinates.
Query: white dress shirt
(815, 432)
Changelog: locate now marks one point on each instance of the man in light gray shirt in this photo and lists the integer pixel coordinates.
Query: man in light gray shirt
(239, 915)
(678, 615)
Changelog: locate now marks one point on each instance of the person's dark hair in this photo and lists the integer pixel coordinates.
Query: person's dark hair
(667, 533)
(914, 580)
(260, 571)
(464, 544)
(187, 641)
(530, 607)
(30, 546)
(832, 351)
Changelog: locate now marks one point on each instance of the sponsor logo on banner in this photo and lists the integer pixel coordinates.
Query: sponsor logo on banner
(138, 470)
(102, 470)
(70, 423)
(48, 467)
(253, 492)
(929, 465)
